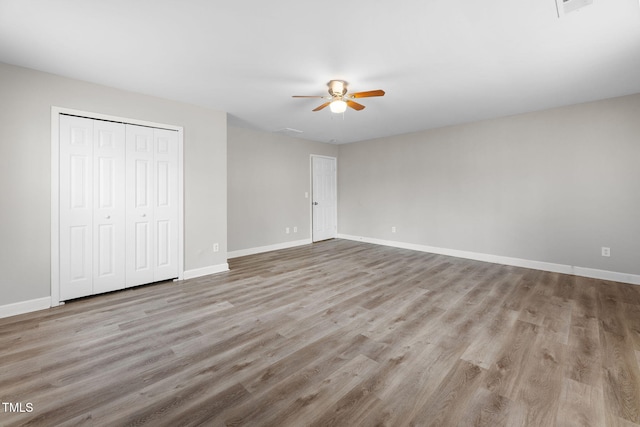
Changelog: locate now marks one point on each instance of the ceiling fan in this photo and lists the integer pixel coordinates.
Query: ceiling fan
(339, 99)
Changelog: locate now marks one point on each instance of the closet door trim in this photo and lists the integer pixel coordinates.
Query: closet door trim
(55, 187)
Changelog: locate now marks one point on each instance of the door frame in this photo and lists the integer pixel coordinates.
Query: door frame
(55, 187)
(335, 159)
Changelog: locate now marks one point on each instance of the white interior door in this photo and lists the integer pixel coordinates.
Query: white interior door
(325, 198)
(76, 207)
(139, 194)
(109, 206)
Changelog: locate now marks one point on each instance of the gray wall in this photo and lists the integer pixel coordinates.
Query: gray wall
(268, 174)
(25, 171)
(551, 186)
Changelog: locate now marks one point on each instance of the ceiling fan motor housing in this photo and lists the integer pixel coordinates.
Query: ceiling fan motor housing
(337, 88)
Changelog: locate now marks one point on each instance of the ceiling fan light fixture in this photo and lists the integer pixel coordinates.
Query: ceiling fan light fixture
(339, 99)
(338, 106)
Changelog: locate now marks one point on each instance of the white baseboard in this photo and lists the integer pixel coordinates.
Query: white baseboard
(633, 279)
(613, 276)
(269, 248)
(205, 271)
(25, 307)
(44, 303)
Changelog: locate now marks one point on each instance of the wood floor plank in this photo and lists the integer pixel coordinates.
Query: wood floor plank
(336, 333)
(447, 405)
(299, 374)
(583, 363)
(506, 375)
(632, 317)
(585, 297)
(542, 384)
(309, 407)
(485, 346)
(353, 409)
(581, 405)
(487, 409)
(414, 377)
(621, 376)
(557, 318)
(615, 421)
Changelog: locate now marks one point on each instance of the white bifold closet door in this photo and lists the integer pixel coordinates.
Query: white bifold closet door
(152, 211)
(118, 206)
(92, 206)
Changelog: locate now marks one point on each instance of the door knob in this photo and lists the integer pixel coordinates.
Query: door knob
(108, 217)
(315, 203)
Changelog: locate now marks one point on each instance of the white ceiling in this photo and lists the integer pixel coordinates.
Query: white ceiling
(441, 62)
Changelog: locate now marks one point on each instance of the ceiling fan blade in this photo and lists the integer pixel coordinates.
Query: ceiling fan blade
(367, 94)
(321, 106)
(307, 96)
(355, 105)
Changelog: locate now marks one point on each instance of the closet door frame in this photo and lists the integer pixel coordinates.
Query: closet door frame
(55, 188)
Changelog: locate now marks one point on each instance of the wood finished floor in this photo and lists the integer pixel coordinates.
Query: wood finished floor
(337, 333)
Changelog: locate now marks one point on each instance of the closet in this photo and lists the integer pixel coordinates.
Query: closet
(118, 205)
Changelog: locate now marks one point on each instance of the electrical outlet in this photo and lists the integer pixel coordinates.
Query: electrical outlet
(295, 229)
(286, 230)
(216, 247)
(606, 251)
(393, 229)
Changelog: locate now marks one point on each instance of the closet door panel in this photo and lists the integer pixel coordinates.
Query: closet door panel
(76, 207)
(109, 207)
(166, 204)
(140, 178)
